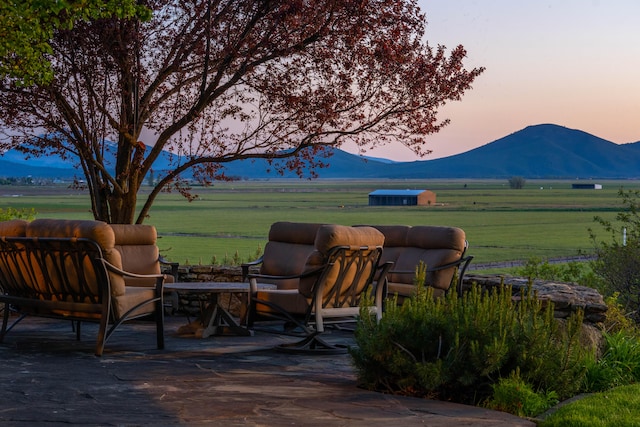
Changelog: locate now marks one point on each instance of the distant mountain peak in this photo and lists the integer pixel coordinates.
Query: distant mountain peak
(537, 151)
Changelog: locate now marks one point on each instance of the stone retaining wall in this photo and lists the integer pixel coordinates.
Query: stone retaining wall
(191, 303)
(567, 297)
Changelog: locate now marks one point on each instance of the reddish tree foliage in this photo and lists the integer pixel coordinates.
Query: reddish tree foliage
(221, 80)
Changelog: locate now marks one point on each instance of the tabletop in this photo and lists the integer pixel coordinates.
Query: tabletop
(209, 287)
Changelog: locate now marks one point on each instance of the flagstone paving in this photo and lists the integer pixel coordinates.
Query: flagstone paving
(50, 379)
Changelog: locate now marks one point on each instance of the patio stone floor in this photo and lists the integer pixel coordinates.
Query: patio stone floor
(50, 379)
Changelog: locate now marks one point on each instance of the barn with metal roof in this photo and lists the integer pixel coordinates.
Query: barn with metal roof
(402, 198)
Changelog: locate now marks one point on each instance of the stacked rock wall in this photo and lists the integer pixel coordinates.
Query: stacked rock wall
(566, 297)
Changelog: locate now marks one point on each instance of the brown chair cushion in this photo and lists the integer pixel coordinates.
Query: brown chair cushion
(328, 237)
(301, 233)
(17, 228)
(134, 295)
(406, 246)
(332, 235)
(98, 231)
(394, 235)
(285, 254)
(134, 234)
(13, 228)
(432, 237)
(137, 246)
(288, 299)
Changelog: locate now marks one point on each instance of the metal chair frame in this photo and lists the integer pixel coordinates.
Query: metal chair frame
(357, 267)
(65, 278)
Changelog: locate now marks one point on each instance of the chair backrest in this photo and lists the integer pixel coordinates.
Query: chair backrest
(97, 231)
(286, 252)
(58, 270)
(406, 246)
(130, 247)
(350, 256)
(138, 251)
(13, 228)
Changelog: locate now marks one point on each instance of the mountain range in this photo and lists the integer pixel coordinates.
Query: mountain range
(539, 151)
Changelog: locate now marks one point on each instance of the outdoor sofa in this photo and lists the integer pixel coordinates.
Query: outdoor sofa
(441, 249)
(83, 271)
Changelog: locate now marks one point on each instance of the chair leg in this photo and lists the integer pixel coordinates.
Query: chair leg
(159, 315)
(313, 343)
(5, 320)
(103, 334)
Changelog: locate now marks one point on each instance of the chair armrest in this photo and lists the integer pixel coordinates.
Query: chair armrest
(159, 277)
(381, 287)
(465, 260)
(174, 265)
(291, 276)
(462, 270)
(121, 272)
(253, 278)
(245, 267)
(462, 264)
(384, 269)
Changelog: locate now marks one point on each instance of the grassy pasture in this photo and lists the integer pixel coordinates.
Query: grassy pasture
(545, 219)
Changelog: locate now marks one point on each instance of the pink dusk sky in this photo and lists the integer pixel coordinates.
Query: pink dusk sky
(574, 63)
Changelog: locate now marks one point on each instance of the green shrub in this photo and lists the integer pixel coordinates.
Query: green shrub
(617, 257)
(571, 272)
(619, 364)
(457, 348)
(12, 213)
(236, 259)
(617, 317)
(515, 396)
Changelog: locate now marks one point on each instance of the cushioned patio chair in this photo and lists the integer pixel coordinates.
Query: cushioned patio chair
(328, 286)
(441, 249)
(73, 270)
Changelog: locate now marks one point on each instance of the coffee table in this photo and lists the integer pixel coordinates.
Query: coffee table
(216, 320)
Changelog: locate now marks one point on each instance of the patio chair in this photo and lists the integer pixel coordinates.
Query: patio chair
(72, 270)
(441, 249)
(331, 285)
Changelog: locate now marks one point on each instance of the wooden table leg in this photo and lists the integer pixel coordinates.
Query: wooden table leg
(218, 321)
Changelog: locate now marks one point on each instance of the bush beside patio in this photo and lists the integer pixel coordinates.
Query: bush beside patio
(484, 348)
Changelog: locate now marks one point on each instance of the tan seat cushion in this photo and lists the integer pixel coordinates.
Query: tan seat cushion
(404, 290)
(289, 299)
(133, 295)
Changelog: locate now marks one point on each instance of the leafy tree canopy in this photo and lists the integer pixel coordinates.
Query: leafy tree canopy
(27, 26)
(221, 80)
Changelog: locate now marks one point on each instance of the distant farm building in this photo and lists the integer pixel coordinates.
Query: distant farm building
(587, 186)
(402, 198)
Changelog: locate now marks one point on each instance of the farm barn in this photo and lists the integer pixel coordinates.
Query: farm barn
(402, 198)
(587, 186)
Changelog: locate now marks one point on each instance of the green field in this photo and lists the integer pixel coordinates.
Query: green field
(546, 219)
